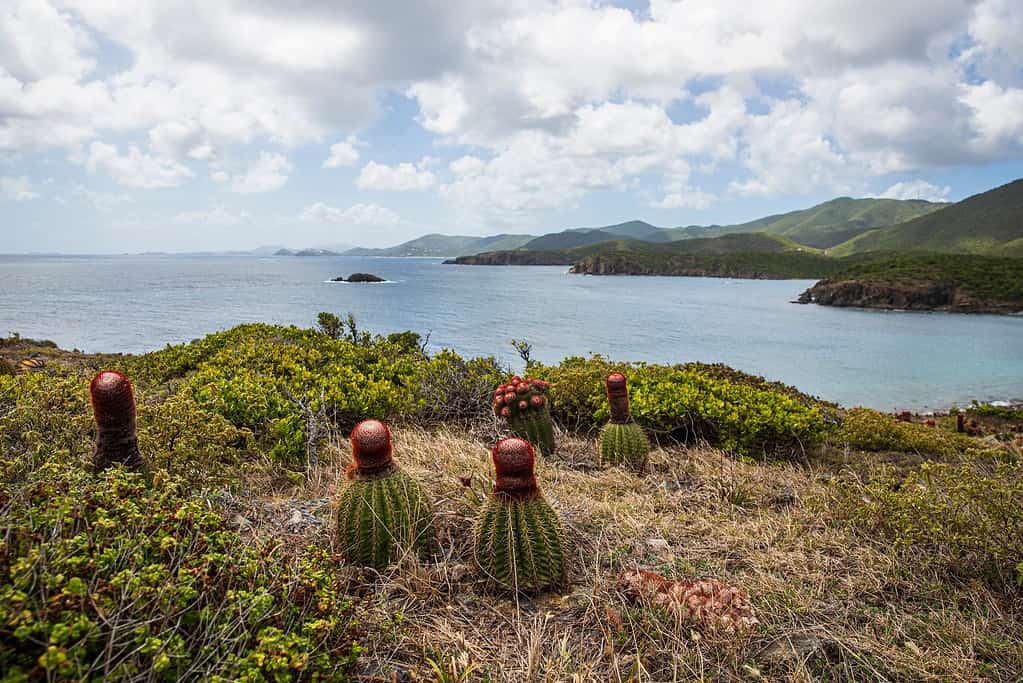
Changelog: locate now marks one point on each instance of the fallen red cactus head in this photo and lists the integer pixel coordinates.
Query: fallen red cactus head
(618, 397)
(513, 466)
(113, 408)
(371, 449)
(710, 603)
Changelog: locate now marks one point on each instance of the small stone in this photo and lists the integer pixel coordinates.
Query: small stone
(241, 522)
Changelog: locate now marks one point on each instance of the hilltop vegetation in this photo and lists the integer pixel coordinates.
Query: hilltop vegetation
(828, 224)
(953, 282)
(988, 223)
(224, 568)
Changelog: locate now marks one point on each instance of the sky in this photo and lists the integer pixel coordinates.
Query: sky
(189, 125)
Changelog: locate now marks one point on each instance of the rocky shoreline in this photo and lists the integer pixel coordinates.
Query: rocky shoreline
(925, 296)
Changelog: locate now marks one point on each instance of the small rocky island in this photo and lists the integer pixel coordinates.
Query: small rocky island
(360, 278)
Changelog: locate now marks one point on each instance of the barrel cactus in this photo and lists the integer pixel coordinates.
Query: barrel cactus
(113, 408)
(518, 539)
(622, 441)
(525, 405)
(382, 512)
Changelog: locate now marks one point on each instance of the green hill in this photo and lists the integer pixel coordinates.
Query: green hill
(825, 225)
(446, 245)
(986, 223)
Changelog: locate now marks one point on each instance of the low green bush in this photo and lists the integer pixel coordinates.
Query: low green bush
(869, 430)
(750, 417)
(105, 579)
(965, 518)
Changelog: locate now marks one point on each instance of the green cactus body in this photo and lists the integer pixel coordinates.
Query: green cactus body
(518, 539)
(525, 405)
(382, 512)
(379, 520)
(535, 427)
(622, 441)
(623, 444)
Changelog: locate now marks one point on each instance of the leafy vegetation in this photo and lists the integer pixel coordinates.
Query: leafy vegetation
(107, 579)
(869, 430)
(690, 404)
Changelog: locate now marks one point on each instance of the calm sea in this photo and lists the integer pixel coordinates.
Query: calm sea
(885, 360)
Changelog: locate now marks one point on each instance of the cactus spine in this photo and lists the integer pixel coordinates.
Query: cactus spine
(382, 512)
(113, 409)
(622, 441)
(525, 405)
(518, 539)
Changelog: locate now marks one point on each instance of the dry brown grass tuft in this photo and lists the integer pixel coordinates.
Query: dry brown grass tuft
(832, 605)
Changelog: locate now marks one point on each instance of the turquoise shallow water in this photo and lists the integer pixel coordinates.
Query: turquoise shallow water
(885, 360)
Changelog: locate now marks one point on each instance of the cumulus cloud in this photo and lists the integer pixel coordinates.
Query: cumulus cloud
(365, 215)
(400, 178)
(135, 169)
(342, 153)
(532, 104)
(16, 188)
(917, 189)
(268, 173)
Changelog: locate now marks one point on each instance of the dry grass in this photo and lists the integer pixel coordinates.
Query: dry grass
(832, 606)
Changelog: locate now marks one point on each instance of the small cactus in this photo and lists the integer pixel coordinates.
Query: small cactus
(526, 406)
(382, 512)
(518, 539)
(113, 408)
(5, 367)
(622, 441)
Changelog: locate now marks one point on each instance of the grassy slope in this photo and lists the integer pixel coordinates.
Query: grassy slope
(825, 225)
(987, 223)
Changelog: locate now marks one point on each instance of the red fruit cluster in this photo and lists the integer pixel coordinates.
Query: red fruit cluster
(520, 396)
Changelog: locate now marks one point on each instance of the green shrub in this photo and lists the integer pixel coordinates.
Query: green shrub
(868, 430)
(102, 579)
(448, 387)
(966, 518)
(750, 417)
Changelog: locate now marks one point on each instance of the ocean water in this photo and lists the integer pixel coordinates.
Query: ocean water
(886, 360)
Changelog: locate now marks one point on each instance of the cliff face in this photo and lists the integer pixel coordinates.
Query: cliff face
(922, 296)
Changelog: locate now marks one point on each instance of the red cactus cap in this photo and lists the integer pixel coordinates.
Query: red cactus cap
(513, 465)
(618, 397)
(113, 401)
(371, 448)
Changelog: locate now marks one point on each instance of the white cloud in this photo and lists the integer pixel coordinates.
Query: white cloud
(369, 215)
(16, 188)
(135, 169)
(101, 201)
(268, 173)
(215, 216)
(342, 153)
(398, 178)
(917, 189)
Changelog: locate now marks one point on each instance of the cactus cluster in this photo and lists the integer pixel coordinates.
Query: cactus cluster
(113, 408)
(382, 512)
(518, 539)
(622, 441)
(525, 405)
